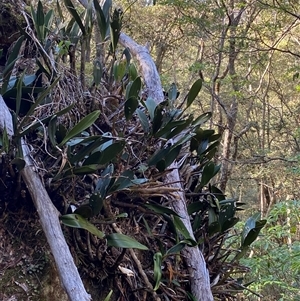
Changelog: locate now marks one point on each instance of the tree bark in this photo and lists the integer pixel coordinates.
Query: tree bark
(199, 276)
(48, 215)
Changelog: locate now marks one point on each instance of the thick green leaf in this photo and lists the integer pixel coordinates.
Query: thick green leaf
(144, 120)
(158, 119)
(134, 89)
(226, 215)
(132, 72)
(48, 20)
(9, 66)
(214, 137)
(40, 22)
(19, 93)
(172, 93)
(83, 124)
(77, 221)
(195, 207)
(179, 129)
(176, 248)
(84, 170)
(45, 71)
(213, 223)
(52, 130)
(115, 29)
(131, 105)
(167, 129)
(208, 173)
(251, 230)
(151, 106)
(102, 17)
(191, 297)
(97, 72)
(123, 181)
(96, 203)
(228, 224)
(159, 155)
(107, 298)
(183, 230)
(202, 147)
(119, 240)
(70, 7)
(84, 210)
(88, 149)
(160, 209)
(217, 193)
(120, 70)
(106, 8)
(210, 151)
(60, 14)
(105, 181)
(161, 165)
(194, 91)
(172, 155)
(107, 155)
(157, 258)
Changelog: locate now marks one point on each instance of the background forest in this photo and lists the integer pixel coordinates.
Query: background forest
(237, 60)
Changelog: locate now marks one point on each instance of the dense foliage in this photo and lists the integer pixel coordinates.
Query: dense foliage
(103, 147)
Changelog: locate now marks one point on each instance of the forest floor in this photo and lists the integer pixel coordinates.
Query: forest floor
(26, 266)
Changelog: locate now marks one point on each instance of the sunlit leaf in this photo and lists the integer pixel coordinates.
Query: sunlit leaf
(72, 10)
(120, 70)
(77, 221)
(123, 241)
(107, 298)
(132, 72)
(183, 230)
(172, 93)
(251, 229)
(160, 209)
(194, 91)
(144, 120)
(157, 258)
(202, 119)
(83, 124)
(151, 106)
